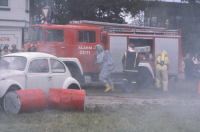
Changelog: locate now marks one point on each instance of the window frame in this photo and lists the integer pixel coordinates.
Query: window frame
(5, 8)
(38, 72)
(27, 6)
(45, 36)
(60, 63)
(38, 33)
(51, 40)
(84, 36)
(52, 34)
(1, 6)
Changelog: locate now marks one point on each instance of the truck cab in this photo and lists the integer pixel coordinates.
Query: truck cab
(66, 41)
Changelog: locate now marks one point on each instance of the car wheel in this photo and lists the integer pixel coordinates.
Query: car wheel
(2, 100)
(73, 86)
(1, 103)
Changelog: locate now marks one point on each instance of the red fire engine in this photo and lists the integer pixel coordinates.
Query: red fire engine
(79, 38)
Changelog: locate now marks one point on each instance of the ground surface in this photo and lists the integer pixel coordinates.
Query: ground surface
(146, 110)
(182, 93)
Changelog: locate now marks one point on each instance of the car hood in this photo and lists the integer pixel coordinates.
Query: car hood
(10, 73)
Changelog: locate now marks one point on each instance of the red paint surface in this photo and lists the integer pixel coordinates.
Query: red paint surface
(32, 100)
(70, 99)
(72, 45)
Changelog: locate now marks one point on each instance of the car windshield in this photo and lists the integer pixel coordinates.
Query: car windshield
(35, 34)
(13, 63)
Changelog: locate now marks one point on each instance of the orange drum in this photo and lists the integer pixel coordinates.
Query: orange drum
(70, 99)
(20, 101)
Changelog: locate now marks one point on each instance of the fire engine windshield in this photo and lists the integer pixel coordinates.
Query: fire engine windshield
(35, 34)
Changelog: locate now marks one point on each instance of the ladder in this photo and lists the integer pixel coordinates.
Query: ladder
(125, 28)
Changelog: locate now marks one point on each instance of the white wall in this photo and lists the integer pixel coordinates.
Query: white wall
(9, 36)
(17, 11)
(13, 19)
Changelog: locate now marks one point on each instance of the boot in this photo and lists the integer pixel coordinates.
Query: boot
(107, 88)
(112, 88)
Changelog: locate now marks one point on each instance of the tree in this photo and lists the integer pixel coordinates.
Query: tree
(63, 11)
(184, 16)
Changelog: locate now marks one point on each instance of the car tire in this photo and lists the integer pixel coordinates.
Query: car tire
(73, 86)
(2, 104)
(12, 88)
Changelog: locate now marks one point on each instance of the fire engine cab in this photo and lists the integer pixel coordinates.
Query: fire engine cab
(79, 38)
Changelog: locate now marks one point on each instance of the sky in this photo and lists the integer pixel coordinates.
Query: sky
(129, 17)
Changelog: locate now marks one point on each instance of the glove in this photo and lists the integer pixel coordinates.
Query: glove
(94, 63)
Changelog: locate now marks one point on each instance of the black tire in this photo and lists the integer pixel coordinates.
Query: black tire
(145, 78)
(12, 88)
(73, 86)
(1, 104)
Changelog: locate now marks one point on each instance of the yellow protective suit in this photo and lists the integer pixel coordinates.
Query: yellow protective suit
(162, 71)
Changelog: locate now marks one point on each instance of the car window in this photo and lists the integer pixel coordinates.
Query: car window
(86, 36)
(56, 66)
(13, 63)
(54, 35)
(57, 35)
(39, 66)
(48, 35)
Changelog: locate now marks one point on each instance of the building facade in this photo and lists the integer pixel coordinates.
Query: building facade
(14, 22)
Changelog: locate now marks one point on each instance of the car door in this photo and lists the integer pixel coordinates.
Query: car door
(38, 76)
(85, 53)
(58, 73)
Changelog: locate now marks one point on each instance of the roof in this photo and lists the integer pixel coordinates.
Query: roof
(66, 26)
(100, 24)
(30, 55)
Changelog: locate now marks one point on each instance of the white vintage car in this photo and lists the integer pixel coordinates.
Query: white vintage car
(33, 70)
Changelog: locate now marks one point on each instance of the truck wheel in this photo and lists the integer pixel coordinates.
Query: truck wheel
(145, 78)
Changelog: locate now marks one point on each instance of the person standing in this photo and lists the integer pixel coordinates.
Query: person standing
(5, 51)
(130, 62)
(189, 65)
(14, 49)
(147, 57)
(162, 65)
(195, 60)
(106, 63)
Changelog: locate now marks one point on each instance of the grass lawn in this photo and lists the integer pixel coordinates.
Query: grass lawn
(123, 118)
(148, 118)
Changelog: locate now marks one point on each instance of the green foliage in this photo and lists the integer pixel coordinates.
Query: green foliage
(184, 16)
(180, 15)
(63, 11)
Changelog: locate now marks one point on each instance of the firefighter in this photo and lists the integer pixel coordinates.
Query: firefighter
(106, 63)
(130, 62)
(33, 48)
(162, 65)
